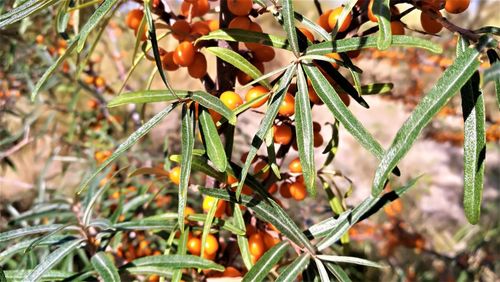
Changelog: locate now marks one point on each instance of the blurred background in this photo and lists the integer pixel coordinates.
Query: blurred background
(48, 146)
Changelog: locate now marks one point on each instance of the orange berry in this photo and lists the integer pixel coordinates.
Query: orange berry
(180, 29)
(209, 257)
(175, 175)
(254, 259)
(134, 18)
(397, 28)
(168, 62)
(316, 127)
(188, 211)
(231, 180)
(307, 34)
(39, 39)
(313, 97)
(282, 134)
(324, 19)
(194, 245)
(371, 15)
(298, 191)
(295, 166)
(336, 57)
(184, 54)
(259, 167)
(299, 178)
(231, 272)
(456, 6)
(254, 93)
(256, 244)
(273, 188)
(264, 53)
(394, 208)
(202, 7)
(429, 24)
(198, 68)
(240, 7)
(211, 245)
(318, 139)
(99, 82)
(209, 201)
(89, 80)
(231, 99)
(242, 22)
(255, 27)
(200, 28)
(269, 241)
(287, 107)
(213, 24)
(285, 190)
(334, 16)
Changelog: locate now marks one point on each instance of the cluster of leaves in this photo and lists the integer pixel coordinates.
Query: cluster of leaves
(88, 233)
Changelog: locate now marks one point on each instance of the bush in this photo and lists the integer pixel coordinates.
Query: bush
(127, 221)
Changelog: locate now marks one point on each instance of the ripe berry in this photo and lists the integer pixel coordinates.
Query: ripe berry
(194, 245)
(242, 22)
(282, 134)
(295, 166)
(231, 272)
(168, 62)
(313, 97)
(134, 18)
(285, 190)
(251, 45)
(456, 6)
(318, 139)
(209, 201)
(231, 99)
(429, 24)
(211, 245)
(316, 127)
(184, 54)
(397, 28)
(287, 107)
(180, 29)
(244, 78)
(334, 16)
(256, 244)
(298, 191)
(269, 241)
(307, 33)
(273, 188)
(213, 24)
(175, 175)
(264, 53)
(198, 68)
(254, 93)
(323, 21)
(240, 7)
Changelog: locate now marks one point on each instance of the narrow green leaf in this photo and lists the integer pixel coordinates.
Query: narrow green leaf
(224, 224)
(152, 270)
(266, 123)
(177, 262)
(450, 82)
(211, 102)
(268, 211)
(26, 243)
(187, 146)
(207, 225)
(351, 260)
(356, 43)
(338, 272)
(94, 21)
(31, 230)
(383, 14)
(51, 260)
(264, 265)
(322, 228)
(52, 275)
(323, 274)
(27, 9)
(492, 73)
(332, 100)
(200, 163)
(242, 238)
(145, 224)
(131, 140)
(291, 272)
(237, 35)
(474, 141)
(105, 267)
(289, 25)
(53, 68)
(304, 132)
(214, 147)
(181, 250)
(333, 145)
(312, 26)
(147, 96)
(239, 62)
